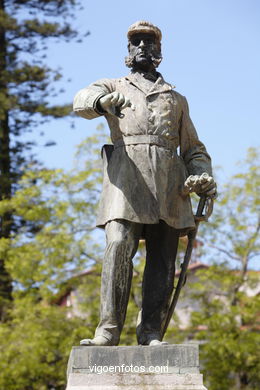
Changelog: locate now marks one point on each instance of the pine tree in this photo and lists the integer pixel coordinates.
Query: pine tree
(26, 85)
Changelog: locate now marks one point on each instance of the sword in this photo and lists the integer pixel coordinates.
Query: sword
(205, 203)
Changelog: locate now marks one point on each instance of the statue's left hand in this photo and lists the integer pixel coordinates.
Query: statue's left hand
(208, 186)
(201, 184)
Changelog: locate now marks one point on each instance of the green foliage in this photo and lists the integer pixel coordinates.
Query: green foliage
(27, 89)
(230, 355)
(26, 82)
(233, 230)
(35, 346)
(54, 243)
(228, 321)
(55, 237)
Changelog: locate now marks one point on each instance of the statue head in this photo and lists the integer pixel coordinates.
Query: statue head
(144, 46)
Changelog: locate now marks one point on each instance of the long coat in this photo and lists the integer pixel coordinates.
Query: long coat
(155, 148)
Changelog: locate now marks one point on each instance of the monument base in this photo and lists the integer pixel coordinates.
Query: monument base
(167, 367)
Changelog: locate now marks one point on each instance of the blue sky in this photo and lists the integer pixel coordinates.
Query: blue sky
(210, 52)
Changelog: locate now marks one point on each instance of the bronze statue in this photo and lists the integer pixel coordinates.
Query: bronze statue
(155, 151)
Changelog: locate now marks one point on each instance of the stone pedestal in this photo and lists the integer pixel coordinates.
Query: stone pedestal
(167, 367)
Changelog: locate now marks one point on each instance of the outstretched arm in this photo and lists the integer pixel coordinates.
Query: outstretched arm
(85, 101)
(98, 99)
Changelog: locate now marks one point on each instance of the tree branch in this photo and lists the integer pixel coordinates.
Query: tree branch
(226, 252)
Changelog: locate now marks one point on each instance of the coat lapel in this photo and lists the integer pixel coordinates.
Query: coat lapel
(138, 81)
(159, 86)
(141, 83)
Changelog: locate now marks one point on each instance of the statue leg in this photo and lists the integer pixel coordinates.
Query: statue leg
(122, 243)
(158, 281)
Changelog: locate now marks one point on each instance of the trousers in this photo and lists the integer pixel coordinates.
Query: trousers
(122, 239)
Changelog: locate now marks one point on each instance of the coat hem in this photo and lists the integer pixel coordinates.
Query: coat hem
(183, 229)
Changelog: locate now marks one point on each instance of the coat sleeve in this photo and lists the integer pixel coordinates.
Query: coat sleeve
(192, 150)
(85, 101)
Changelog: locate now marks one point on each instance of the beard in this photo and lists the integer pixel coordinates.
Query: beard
(155, 58)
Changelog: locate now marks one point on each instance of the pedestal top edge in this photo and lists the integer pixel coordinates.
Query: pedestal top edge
(121, 347)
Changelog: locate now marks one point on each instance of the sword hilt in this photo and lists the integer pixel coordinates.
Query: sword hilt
(205, 203)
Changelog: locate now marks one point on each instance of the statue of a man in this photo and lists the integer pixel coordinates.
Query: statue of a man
(155, 148)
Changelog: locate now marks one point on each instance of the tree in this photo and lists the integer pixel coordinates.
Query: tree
(230, 332)
(26, 87)
(35, 347)
(37, 336)
(228, 291)
(61, 206)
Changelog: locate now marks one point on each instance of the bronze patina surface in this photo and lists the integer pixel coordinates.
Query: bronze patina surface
(155, 151)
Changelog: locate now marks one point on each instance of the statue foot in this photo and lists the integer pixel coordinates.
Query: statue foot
(153, 343)
(96, 341)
